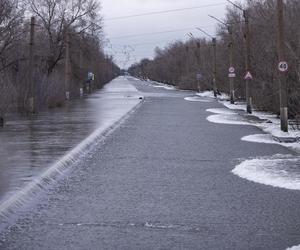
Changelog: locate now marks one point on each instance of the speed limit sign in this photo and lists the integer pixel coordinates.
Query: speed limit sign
(283, 66)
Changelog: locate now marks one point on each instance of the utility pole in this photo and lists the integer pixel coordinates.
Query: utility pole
(231, 70)
(67, 64)
(283, 68)
(81, 92)
(231, 65)
(248, 76)
(214, 44)
(32, 101)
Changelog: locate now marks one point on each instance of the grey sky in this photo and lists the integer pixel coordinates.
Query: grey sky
(143, 46)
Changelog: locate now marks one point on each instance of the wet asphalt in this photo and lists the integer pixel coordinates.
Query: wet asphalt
(163, 180)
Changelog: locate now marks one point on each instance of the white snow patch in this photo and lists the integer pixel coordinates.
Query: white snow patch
(294, 248)
(196, 99)
(235, 106)
(221, 111)
(227, 119)
(278, 171)
(260, 138)
(267, 138)
(272, 128)
(161, 85)
(210, 94)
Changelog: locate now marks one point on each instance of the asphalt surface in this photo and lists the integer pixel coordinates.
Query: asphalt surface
(163, 180)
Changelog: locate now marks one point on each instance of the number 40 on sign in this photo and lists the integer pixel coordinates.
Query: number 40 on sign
(283, 66)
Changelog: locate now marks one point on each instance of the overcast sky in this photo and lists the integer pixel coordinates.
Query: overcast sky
(128, 50)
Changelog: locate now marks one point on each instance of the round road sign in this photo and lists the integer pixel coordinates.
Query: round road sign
(283, 66)
(231, 70)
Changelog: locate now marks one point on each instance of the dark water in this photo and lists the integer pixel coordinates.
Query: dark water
(30, 146)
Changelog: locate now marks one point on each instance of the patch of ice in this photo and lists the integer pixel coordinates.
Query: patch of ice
(221, 111)
(196, 99)
(164, 86)
(236, 106)
(267, 138)
(294, 248)
(210, 94)
(227, 119)
(272, 127)
(278, 171)
(260, 138)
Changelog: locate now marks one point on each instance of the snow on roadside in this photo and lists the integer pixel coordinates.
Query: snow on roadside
(221, 111)
(161, 85)
(294, 248)
(227, 119)
(272, 128)
(269, 139)
(196, 99)
(211, 95)
(278, 171)
(225, 116)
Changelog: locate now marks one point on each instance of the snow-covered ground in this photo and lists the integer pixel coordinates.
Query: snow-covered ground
(277, 171)
(162, 85)
(272, 127)
(211, 95)
(294, 248)
(196, 99)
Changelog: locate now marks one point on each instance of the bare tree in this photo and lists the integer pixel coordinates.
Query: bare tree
(55, 16)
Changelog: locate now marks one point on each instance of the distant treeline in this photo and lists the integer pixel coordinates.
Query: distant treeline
(180, 62)
(44, 40)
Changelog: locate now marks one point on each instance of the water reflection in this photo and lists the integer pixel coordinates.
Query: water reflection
(29, 146)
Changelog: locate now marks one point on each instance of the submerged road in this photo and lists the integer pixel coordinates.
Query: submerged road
(163, 180)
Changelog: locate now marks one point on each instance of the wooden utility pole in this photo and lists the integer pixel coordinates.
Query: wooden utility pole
(214, 43)
(81, 89)
(231, 64)
(67, 64)
(283, 67)
(248, 76)
(32, 101)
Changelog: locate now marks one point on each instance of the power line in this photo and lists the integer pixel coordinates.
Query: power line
(156, 33)
(164, 12)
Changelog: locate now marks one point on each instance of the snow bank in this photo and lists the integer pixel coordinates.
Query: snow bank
(260, 138)
(225, 116)
(211, 95)
(294, 248)
(278, 171)
(272, 127)
(227, 119)
(196, 99)
(161, 85)
(269, 139)
(221, 111)
(236, 106)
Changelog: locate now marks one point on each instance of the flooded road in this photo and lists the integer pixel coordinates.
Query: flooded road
(30, 146)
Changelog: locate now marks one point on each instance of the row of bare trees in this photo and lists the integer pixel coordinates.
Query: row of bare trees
(180, 62)
(80, 20)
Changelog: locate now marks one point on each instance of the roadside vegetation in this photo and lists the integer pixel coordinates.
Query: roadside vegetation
(180, 62)
(33, 54)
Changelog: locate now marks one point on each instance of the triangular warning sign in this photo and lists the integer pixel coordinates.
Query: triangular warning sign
(248, 76)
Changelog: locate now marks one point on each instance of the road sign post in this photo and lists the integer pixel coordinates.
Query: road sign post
(199, 78)
(283, 68)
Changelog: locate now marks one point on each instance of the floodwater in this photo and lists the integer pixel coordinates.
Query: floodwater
(29, 147)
